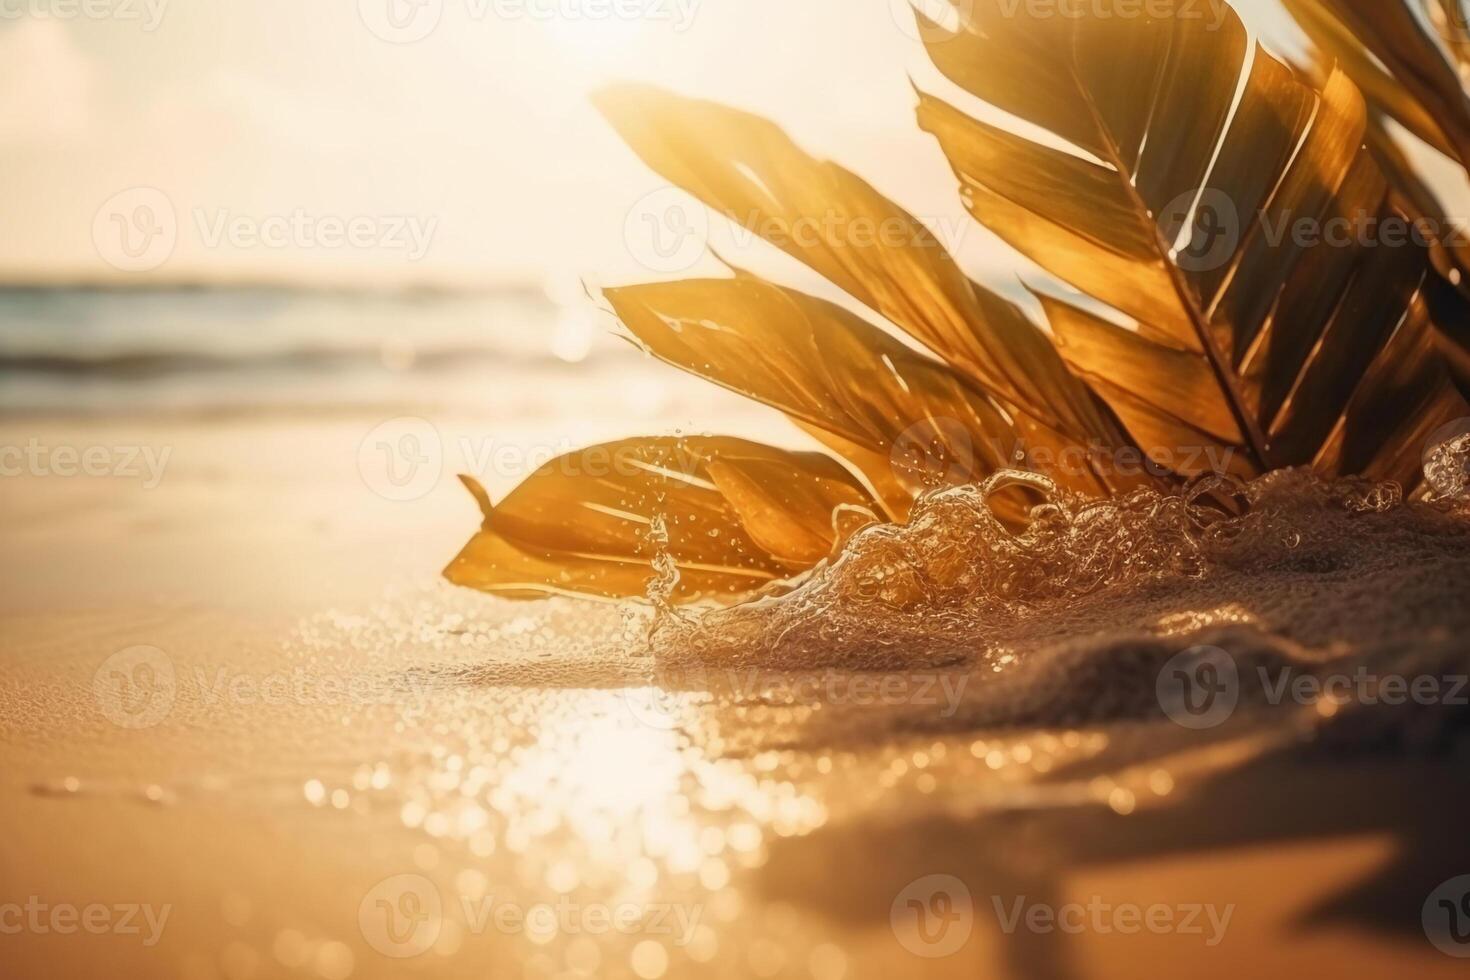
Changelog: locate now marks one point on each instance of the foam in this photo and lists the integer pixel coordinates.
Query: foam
(1069, 620)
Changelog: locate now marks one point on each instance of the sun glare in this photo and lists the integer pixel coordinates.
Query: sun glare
(600, 41)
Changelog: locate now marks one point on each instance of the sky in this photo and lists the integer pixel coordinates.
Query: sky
(401, 141)
(274, 108)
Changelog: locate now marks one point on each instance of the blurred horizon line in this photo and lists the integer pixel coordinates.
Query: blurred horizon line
(370, 282)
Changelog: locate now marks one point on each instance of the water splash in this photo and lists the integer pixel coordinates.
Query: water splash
(1447, 468)
(665, 580)
(945, 586)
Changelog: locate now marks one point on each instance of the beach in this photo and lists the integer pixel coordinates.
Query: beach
(244, 696)
(651, 490)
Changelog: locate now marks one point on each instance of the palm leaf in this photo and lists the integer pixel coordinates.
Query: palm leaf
(1398, 66)
(732, 515)
(1327, 23)
(1451, 18)
(832, 220)
(905, 420)
(1273, 351)
(1275, 354)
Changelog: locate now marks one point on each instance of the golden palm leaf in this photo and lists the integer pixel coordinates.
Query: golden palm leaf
(1417, 80)
(1247, 335)
(746, 168)
(1403, 70)
(1271, 353)
(731, 516)
(845, 380)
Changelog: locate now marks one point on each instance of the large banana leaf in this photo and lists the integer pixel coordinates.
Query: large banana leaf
(1249, 336)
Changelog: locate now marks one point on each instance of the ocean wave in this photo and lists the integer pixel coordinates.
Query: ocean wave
(124, 364)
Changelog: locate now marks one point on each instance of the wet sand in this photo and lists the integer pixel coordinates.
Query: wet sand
(241, 702)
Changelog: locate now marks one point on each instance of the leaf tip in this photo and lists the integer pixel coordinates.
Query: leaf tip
(481, 495)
